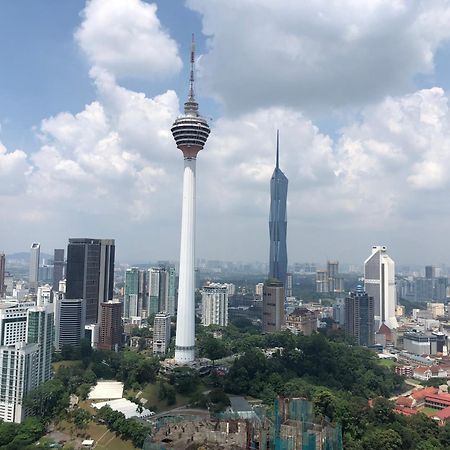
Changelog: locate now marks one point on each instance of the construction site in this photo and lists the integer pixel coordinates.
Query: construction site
(289, 425)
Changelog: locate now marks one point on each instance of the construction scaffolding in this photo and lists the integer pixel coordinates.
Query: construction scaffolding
(290, 425)
(295, 427)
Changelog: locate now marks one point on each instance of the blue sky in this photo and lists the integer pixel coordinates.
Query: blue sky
(360, 95)
(45, 72)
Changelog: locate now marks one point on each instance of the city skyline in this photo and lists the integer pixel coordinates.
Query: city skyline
(85, 149)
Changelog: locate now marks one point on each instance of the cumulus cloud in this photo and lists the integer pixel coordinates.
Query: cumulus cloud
(14, 170)
(318, 54)
(93, 159)
(397, 154)
(126, 38)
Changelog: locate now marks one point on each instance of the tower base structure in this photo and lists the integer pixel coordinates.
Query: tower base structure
(185, 339)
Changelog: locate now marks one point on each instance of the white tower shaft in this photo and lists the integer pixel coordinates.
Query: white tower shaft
(185, 339)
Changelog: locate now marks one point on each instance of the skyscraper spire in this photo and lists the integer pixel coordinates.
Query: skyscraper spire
(278, 150)
(191, 106)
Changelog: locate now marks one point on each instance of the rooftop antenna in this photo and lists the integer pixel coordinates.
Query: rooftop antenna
(191, 78)
(278, 149)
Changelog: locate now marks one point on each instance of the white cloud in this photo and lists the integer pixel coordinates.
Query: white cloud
(399, 151)
(125, 37)
(99, 161)
(318, 54)
(14, 170)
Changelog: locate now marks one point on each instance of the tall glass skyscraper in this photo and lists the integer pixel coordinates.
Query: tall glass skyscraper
(90, 273)
(278, 222)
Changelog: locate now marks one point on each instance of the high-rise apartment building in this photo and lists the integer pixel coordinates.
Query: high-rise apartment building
(40, 326)
(161, 333)
(44, 295)
(19, 363)
(111, 329)
(273, 318)
(231, 288)
(426, 289)
(359, 317)
(289, 283)
(379, 283)
(135, 292)
(334, 281)
(322, 281)
(70, 314)
(13, 322)
(333, 268)
(171, 301)
(161, 290)
(90, 273)
(35, 254)
(215, 305)
(157, 290)
(278, 222)
(190, 132)
(58, 267)
(25, 354)
(430, 272)
(259, 289)
(197, 274)
(2, 275)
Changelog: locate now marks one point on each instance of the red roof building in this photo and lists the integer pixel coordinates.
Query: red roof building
(405, 402)
(442, 416)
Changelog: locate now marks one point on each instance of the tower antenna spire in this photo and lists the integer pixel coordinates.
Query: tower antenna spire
(191, 78)
(278, 149)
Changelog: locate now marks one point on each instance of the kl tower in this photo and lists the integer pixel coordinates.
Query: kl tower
(190, 132)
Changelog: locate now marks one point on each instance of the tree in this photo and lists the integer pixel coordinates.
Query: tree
(429, 444)
(8, 432)
(48, 400)
(184, 379)
(81, 418)
(380, 439)
(383, 411)
(83, 390)
(171, 395)
(213, 348)
(325, 404)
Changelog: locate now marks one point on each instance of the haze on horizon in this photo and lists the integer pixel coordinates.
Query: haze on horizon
(360, 95)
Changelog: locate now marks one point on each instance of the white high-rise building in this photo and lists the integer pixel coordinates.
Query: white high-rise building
(44, 295)
(259, 289)
(190, 132)
(25, 354)
(20, 375)
(215, 305)
(161, 333)
(379, 283)
(35, 254)
(13, 322)
(231, 288)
